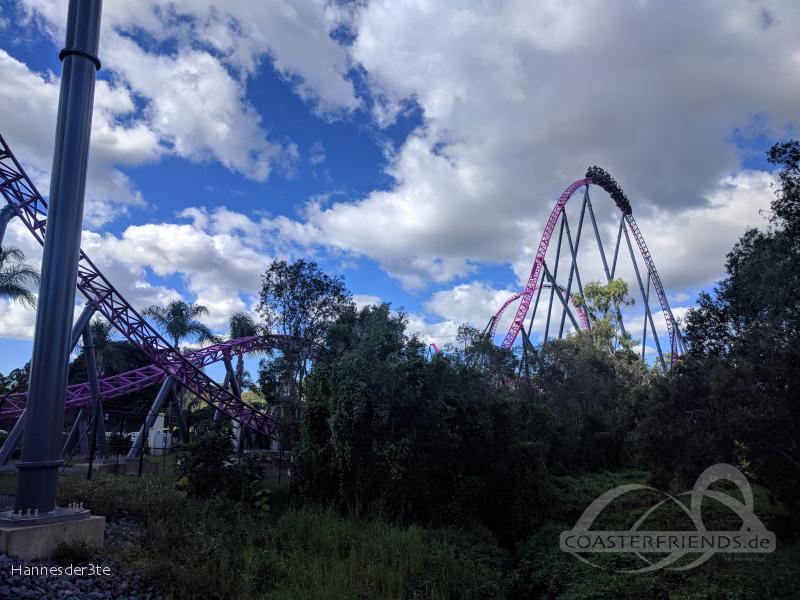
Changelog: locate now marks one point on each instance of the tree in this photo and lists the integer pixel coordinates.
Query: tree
(241, 325)
(737, 388)
(301, 301)
(179, 320)
(16, 381)
(601, 302)
(109, 355)
(16, 277)
(386, 432)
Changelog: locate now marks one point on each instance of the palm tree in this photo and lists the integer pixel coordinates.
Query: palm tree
(17, 276)
(241, 325)
(108, 353)
(179, 320)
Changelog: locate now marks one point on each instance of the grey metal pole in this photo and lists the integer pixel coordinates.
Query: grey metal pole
(38, 469)
(161, 397)
(12, 440)
(175, 404)
(647, 313)
(6, 214)
(574, 266)
(217, 411)
(616, 247)
(74, 435)
(644, 328)
(83, 434)
(237, 392)
(573, 250)
(555, 274)
(99, 425)
(605, 262)
(81, 324)
(535, 306)
(557, 290)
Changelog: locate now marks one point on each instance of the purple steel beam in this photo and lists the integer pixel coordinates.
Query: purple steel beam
(538, 262)
(114, 386)
(656, 280)
(31, 208)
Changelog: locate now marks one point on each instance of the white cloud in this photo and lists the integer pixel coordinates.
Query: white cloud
(191, 101)
(30, 101)
(218, 255)
(518, 98)
(362, 300)
(317, 154)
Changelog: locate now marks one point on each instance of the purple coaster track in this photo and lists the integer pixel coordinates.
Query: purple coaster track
(579, 309)
(31, 208)
(114, 386)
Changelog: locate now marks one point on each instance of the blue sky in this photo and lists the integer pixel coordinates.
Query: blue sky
(415, 150)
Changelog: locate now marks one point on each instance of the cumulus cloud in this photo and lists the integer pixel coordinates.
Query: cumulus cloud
(218, 255)
(214, 257)
(518, 98)
(191, 100)
(30, 101)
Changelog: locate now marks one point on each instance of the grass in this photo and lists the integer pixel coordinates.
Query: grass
(229, 551)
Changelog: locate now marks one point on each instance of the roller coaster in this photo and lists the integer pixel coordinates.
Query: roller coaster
(175, 370)
(545, 276)
(65, 264)
(169, 366)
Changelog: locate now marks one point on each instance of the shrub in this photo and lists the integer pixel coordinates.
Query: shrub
(201, 462)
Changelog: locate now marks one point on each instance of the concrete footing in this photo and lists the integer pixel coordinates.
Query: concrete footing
(39, 541)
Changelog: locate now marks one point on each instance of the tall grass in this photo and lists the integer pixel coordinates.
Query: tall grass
(214, 548)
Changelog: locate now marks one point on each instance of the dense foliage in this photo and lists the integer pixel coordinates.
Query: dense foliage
(301, 301)
(734, 397)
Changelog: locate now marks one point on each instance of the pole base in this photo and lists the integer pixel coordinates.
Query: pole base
(31, 541)
(10, 518)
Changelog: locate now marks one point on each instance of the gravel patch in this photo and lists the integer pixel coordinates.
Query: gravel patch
(91, 583)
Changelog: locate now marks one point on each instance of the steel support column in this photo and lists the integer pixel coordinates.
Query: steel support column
(98, 418)
(236, 391)
(177, 411)
(535, 305)
(6, 214)
(12, 440)
(226, 385)
(605, 262)
(648, 314)
(644, 325)
(41, 441)
(74, 436)
(574, 266)
(557, 290)
(155, 408)
(616, 246)
(83, 433)
(555, 274)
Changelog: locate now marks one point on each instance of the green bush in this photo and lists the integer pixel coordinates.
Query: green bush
(201, 463)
